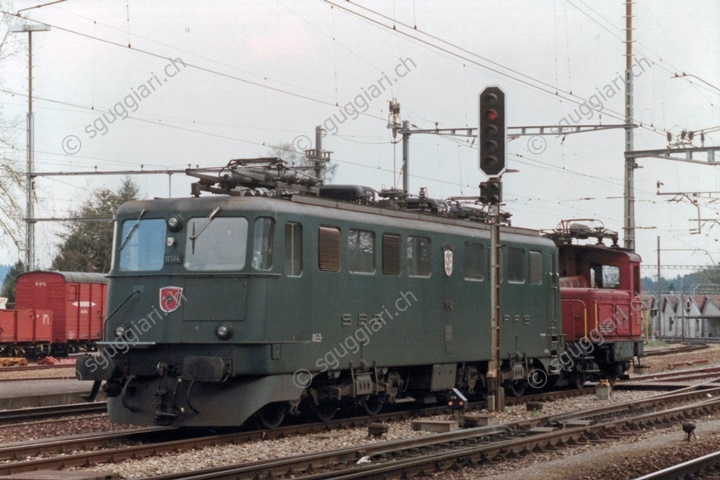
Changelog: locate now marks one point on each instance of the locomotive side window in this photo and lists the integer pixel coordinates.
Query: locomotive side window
(262, 243)
(142, 246)
(535, 268)
(391, 255)
(329, 249)
(293, 249)
(418, 256)
(474, 263)
(605, 276)
(361, 251)
(515, 265)
(221, 245)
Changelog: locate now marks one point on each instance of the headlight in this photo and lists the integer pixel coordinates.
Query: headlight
(174, 223)
(120, 330)
(223, 331)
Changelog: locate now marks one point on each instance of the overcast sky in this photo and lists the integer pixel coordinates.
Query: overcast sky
(164, 84)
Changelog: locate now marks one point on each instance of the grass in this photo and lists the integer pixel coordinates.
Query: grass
(656, 344)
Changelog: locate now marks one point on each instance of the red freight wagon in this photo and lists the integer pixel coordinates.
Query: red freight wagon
(77, 302)
(25, 332)
(7, 326)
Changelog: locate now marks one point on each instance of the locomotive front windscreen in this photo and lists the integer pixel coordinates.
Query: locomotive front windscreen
(142, 245)
(220, 245)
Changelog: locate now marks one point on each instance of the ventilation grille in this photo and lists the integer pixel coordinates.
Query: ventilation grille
(329, 249)
(391, 255)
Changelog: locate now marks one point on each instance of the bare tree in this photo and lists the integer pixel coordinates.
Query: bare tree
(11, 177)
(287, 152)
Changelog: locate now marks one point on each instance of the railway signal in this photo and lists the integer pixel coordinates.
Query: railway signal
(491, 192)
(492, 131)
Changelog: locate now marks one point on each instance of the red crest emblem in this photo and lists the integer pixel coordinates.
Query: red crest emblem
(170, 298)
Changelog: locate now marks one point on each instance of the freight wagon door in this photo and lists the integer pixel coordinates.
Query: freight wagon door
(84, 307)
(7, 326)
(72, 316)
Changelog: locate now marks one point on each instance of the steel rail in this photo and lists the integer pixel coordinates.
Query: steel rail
(28, 414)
(435, 462)
(119, 454)
(695, 468)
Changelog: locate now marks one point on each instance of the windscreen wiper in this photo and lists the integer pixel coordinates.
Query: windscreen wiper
(132, 230)
(209, 219)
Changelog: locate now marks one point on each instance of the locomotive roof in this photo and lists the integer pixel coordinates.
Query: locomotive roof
(315, 207)
(632, 256)
(71, 277)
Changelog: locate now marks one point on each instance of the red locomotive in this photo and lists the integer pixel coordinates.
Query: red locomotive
(56, 313)
(600, 302)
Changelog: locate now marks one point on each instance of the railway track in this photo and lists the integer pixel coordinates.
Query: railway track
(153, 441)
(29, 368)
(437, 453)
(53, 412)
(688, 347)
(686, 375)
(706, 467)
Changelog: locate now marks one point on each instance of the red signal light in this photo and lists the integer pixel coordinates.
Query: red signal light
(492, 131)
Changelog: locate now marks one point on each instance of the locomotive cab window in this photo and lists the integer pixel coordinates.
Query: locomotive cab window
(535, 268)
(604, 276)
(474, 262)
(361, 251)
(142, 245)
(515, 265)
(293, 249)
(418, 256)
(263, 243)
(220, 245)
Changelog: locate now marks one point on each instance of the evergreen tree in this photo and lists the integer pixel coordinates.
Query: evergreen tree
(287, 152)
(8, 286)
(87, 245)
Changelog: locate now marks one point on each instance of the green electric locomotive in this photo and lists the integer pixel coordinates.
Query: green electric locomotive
(277, 297)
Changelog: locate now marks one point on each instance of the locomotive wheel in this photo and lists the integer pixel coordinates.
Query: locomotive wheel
(326, 410)
(579, 381)
(373, 404)
(272, 415)
(517, 388)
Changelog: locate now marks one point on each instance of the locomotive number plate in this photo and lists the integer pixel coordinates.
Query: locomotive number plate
(175, 258)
